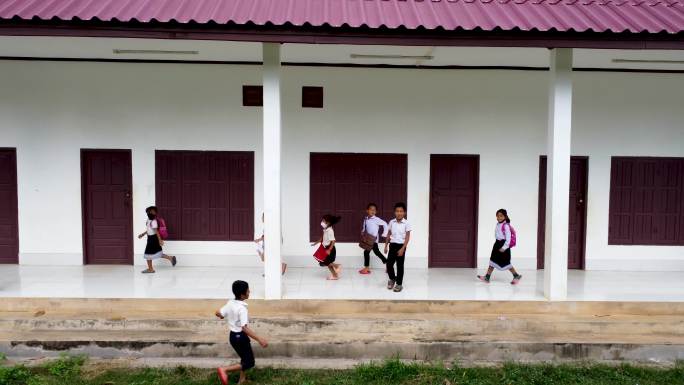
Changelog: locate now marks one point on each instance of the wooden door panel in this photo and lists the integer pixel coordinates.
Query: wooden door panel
(453, 210)
(107, 206)
(576, 215)
(9, 223)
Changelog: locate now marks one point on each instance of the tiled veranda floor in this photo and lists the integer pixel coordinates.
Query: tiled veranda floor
(310, 283)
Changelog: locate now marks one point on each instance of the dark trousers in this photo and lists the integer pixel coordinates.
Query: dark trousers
(376, 251)
(240, 342)
(393, 257)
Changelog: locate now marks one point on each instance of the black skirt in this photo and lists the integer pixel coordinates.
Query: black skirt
(500, 260)
(153, 249)
(330, 258)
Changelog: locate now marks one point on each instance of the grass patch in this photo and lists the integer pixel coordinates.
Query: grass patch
(67, 370)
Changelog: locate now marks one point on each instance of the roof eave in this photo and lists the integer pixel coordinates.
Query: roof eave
(344, 35)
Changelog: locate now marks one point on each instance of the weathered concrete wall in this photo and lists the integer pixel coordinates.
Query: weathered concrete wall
(349, 330)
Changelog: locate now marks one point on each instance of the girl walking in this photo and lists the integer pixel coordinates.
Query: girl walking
(153, 250)
(371, 230)
(327, 242)
(501, 251)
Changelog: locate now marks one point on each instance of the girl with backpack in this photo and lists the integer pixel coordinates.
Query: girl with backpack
(501, 252)
(156, 232)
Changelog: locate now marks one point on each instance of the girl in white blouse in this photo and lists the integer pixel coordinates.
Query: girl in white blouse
(328, 242)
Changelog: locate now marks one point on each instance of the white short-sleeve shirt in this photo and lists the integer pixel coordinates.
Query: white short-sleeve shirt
(501, 234)
(398, 230)
(328, 236)
(152, 227)
(372, 225)
(235, 314)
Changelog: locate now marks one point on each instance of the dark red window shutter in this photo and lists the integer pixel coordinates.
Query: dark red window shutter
(621, 206)
(206, 195)
(194, 205)
(646, 203)
(312, 97)
(217, 190)
(343, 184)
(168, 182)
(322, 190)
(241, 215)
(667, 204)
(252, 96)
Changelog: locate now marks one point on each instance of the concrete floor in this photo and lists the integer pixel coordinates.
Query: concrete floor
(310, 283)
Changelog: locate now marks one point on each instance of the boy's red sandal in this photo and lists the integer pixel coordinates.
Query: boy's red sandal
(223, 376)
(364, 271)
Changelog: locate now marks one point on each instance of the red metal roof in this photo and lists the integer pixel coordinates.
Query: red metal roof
(651, 16)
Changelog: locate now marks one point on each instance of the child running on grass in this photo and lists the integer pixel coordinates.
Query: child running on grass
(501, 251)
(327, 240)
(235, 313)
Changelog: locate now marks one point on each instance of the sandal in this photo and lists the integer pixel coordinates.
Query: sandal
(148, 271)
(332, 278)
(222, 375)
(173, 260)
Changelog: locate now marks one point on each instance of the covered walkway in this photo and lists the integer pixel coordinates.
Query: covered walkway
(310, 283)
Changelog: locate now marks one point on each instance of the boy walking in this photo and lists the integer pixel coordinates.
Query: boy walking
(235, 313)
(371, 227)
(396, 243)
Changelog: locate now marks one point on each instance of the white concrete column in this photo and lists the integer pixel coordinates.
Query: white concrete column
(558, 175)
(272, 158)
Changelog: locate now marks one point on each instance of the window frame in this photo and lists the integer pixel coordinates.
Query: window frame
(618, 193)
(242, 180)
(349, 229)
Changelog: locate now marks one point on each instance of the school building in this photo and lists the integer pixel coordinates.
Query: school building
(569, 114)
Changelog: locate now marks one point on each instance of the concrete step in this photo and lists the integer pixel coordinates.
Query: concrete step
(349, 330)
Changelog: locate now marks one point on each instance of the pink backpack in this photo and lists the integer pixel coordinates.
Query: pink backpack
(513, 235)
(163, 231)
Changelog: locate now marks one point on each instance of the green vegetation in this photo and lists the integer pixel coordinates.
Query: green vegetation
(71, 371)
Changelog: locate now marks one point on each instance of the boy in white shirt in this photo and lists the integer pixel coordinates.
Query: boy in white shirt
(235, 313)
(398, 240)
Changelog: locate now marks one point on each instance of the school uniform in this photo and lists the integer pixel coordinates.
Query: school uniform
(371, 226)
(260, 244)
(153, 249)
(398, 231)
(236, 315)
(328, 237)
(501, 260)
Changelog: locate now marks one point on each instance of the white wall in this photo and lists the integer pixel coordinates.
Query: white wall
(49, 110)
(620, 114)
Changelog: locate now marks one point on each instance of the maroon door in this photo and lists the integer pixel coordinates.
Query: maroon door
(9, 234)
(107, 206)
(577, 215)
(454, 183)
